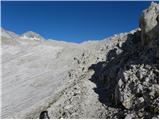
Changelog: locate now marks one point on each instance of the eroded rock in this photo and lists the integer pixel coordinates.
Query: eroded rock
(149, 24)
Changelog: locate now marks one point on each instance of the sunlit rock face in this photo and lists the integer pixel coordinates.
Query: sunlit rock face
(32, 35)
(149, 23)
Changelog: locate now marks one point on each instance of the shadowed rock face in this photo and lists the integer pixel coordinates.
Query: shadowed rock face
(132, 75)
(117, 77)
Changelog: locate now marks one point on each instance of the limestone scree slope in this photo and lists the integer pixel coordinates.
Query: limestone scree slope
(117, 77)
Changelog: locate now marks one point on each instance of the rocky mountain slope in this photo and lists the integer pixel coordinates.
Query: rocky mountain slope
(117, 77)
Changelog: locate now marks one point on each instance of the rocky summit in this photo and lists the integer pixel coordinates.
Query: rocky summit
(117, 77)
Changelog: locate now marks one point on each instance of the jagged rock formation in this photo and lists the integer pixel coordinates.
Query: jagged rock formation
(117, 77)
(149, 22)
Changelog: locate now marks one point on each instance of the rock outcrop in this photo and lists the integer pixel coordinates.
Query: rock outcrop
(132, 75)
(149, 24)
(32, 35)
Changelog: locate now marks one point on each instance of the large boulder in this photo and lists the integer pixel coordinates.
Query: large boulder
(149, 24)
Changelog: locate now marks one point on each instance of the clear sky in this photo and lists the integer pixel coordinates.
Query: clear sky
(72, 21)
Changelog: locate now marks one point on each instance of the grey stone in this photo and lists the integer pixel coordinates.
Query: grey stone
(66, 79)
(149, 23)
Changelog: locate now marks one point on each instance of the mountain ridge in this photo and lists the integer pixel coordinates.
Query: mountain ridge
(117, 77)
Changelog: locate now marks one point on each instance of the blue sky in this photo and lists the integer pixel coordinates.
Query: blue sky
(72, 21)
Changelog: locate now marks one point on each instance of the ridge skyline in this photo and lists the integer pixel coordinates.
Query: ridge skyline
(72, 21)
